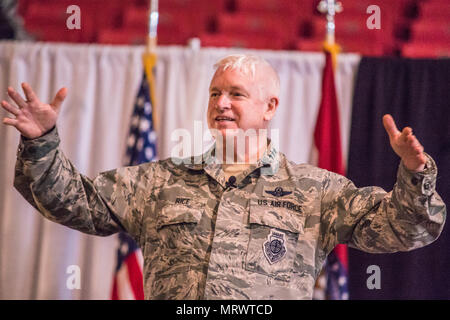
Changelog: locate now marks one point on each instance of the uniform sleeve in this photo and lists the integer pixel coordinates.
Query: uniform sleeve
(411, 216)
(112, 202)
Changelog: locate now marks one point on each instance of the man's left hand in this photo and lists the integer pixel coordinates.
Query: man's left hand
(405, 145)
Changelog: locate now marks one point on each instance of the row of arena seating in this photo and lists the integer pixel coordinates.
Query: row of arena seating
(430, 32)
(408, 27)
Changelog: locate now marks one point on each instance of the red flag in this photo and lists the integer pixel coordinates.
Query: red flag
(127, 282)
(327, 139)
(327, 134)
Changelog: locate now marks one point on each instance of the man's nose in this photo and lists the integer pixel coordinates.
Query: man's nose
(223, 102)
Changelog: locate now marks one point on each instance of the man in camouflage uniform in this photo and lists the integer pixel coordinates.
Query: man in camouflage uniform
(213, 230)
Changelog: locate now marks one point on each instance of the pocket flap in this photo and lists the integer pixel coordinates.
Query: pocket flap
(280, 218)
(176, 214)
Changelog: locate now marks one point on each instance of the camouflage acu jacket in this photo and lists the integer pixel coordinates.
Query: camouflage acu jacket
(264, 237)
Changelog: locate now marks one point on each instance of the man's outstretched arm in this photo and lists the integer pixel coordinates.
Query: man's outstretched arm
(49, 181)
(411, 216)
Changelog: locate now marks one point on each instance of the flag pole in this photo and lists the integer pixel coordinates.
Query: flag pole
(150, 57)
(152, 26)
(330, 8)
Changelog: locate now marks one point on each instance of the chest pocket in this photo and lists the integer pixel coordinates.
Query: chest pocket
(273, 240)
(174, 214)
(176, 228)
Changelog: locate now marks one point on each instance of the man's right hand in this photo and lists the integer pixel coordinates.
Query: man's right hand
(32, 117)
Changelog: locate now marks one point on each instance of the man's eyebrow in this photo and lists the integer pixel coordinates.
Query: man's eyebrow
(239, 88)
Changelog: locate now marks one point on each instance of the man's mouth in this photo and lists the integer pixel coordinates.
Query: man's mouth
(222, 118)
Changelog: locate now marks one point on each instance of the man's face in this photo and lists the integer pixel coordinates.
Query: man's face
(236, 101)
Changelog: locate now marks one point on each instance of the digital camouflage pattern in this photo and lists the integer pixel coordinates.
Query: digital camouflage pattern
(266, 238)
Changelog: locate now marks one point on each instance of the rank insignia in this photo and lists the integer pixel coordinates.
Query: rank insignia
(274, 248)
(278, 192)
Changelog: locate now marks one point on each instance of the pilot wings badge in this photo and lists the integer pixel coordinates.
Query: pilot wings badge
(274, 248)
(278, 192)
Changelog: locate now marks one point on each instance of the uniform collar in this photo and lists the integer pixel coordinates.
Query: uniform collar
(269, 163)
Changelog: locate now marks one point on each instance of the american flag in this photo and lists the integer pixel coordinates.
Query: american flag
(141, 144)
(141, 147)
(336, 270)
(128, 284)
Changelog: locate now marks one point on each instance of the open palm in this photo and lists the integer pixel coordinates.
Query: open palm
(32, 117)
(405, 145)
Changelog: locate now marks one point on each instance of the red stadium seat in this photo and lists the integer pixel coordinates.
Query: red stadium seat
(47, 14)
(180, 5)
(367, 48)
(430, 30)
(169, 21)
(426, 50)
(176, 22)
(435, 9)
(309, 44)
(139, 37)
(240, 41)
(258, 24)
(121, 36)
(106, 15)
(135, 17)
(275, 6)
(22, 7)
(170, 38)
(192, 5)
(198, 13)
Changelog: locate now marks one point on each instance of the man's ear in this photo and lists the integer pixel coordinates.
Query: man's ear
(271, 107)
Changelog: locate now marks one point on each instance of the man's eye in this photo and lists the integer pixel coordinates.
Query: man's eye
(214, 94)
(237, 94)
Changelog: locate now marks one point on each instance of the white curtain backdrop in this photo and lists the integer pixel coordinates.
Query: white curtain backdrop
(102, 82)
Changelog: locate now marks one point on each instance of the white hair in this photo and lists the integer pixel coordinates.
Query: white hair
(247, 63)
